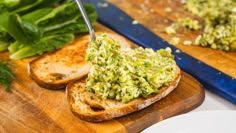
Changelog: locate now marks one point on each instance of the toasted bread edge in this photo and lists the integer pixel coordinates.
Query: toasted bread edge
(135, 105)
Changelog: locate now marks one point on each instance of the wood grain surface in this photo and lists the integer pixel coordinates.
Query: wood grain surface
(30, 108)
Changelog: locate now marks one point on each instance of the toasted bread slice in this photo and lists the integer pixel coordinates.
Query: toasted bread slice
(55, 70)
(89, 107)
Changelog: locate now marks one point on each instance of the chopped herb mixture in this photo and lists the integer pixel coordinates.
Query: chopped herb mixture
(219, 30)
(190, 23)
(220, 23)
(125, 74)
(187, 23)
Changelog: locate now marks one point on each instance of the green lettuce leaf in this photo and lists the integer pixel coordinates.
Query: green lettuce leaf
(37, 14)
(20, 30)
(25, 6)
(4, 45)
(46, 44)
(42, 27)
(9, 3)
(66, 19)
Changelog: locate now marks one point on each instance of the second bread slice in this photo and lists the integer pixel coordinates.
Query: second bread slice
(55, 70)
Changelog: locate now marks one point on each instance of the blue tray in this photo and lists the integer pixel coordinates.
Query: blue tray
(119, 21)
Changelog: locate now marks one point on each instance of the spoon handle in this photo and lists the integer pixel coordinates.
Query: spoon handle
(86, 19)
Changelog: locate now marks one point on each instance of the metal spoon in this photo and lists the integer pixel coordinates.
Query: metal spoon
(88, 23)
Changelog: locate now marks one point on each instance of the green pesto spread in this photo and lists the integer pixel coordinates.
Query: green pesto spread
(219, 23)
(125, 74)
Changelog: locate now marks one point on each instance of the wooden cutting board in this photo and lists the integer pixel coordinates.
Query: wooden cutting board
(30, 108)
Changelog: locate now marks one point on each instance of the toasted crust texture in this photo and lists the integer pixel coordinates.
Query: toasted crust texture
(55, 70)
(88, 107)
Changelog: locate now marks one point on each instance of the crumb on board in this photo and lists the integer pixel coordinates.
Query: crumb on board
(175, 40)
(187, 42)
(177, 51)
(168, 10)
(171, 29)
(102, 4)
(134, 22)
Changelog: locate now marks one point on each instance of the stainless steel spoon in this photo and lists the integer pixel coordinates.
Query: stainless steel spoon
(86, 19)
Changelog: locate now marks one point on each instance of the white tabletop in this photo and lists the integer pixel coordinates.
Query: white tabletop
(214, 102)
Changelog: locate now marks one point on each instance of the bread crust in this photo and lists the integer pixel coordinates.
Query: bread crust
(83, 110)
(55, 70)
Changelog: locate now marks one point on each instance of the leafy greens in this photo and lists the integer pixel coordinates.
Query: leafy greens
(29, 28)
(6, 75)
